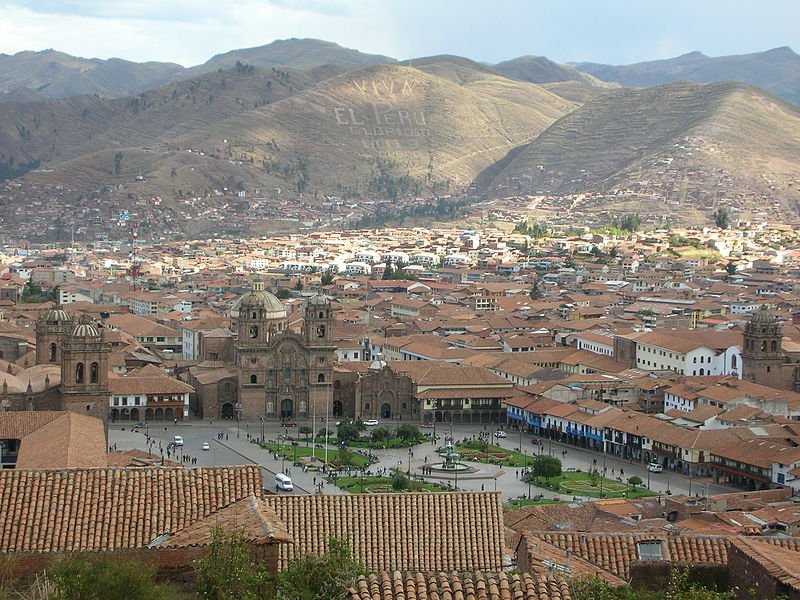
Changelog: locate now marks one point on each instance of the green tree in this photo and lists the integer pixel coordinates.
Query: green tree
(635, 480)
(409, 433)
(382, 433)
(84, 579)
(326, 279)
(227, 572)
(388, 271)
(546, 466)
(306, 431)
(298, 287)
(283, 294)
(730, 268)
(117, 163)
(347, 431)
(324, 577)
(722, 218)
(345, 457)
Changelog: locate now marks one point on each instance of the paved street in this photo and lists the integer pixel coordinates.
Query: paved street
(231, 450)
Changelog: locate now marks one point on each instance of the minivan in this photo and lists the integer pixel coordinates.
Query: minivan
(283, 482)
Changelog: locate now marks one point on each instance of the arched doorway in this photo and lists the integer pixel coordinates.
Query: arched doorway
(386, 411)
(287, 408)
(134, 414)
(125, 415)
(148, 414)
(159, 414)
(337, 408)
(227, 411)
(114, 415)
(169, 413)
(438, 416)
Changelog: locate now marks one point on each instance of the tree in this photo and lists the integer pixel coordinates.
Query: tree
(283, 294)
(722, 218)
(535, 293)
(326, 279)
(306, 431)
(227, 572)
(547, 467)
(346, 432)
(388, 271)
(84, 579)
(635, 480)
(117, 163)
(730, 268)
(324, 577)
(345, 457)
(677, 587)
(629, 222)
(409, 433)
(298, 287)
(382, 433)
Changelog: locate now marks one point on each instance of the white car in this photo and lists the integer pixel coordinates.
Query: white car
(177, 440)
(655, 468)
(371, 422)
(206, 446)
(500, 434)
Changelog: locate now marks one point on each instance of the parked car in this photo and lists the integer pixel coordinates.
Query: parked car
(536, 442)
(206, 446)
(427, 425)
(500, 434)
(177, 440)
(371, 422)
(655, 467)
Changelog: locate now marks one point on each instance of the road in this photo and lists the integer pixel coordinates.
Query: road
(233, 450)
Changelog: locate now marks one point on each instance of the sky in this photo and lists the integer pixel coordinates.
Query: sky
(189, 32)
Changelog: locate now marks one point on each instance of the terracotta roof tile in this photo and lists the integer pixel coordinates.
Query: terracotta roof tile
(110, 509)
(414, 531)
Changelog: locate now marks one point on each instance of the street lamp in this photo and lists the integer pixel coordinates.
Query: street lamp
(409, 461)
(262, 430)
(238, 409)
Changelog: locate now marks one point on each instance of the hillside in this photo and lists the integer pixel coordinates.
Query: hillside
(776, 71)
(388, 131)
(681, 141)
(539, 69)
(57, 75)
(46, 132)
(292, 54)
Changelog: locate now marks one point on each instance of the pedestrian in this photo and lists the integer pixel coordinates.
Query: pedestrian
(226, 437)
(315, 481)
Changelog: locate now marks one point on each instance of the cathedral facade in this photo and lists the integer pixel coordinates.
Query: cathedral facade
(765, 360)
(281, 374)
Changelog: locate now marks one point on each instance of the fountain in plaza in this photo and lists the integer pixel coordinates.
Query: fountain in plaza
(450, 456)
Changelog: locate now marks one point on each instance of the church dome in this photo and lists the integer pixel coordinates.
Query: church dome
(267, 304)
(85, 330)
(763, 316)
(57, 315)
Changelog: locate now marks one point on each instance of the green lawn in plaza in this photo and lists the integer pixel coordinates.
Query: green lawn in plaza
(294, 453)
(380, 485)
(522, 503)
(581, 483)
(475, 451)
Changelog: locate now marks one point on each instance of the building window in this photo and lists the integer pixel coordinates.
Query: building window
(321, 378)
(79, 373)
(287, 374)
(94, 373)
(253, 378)
(650, 550)
(253, 332)
(52, 352)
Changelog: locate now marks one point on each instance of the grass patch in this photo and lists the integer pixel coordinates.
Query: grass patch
(580, 483)
(476, 451)
(294, 453)
(519, 503)
(380, 485)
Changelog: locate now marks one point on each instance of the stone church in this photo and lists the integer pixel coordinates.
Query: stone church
(277, 373)
(71, 370)
(766, 360)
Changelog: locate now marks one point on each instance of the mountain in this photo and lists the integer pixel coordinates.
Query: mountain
(293, 54)
(57, 75)
(389, 130)
(52, 131)
(381, 131)
(721, 140)
(776, 71)
(538, 69)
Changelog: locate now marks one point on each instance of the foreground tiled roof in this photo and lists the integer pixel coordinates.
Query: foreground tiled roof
(463, 586)
(614, 552)
(70, 441)
(110, 509)
(780, 562)
(15, 425)
(251, 517)
(408, 532)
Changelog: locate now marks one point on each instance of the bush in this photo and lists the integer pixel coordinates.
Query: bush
(325, 577)
(83, 579)
(228, 573)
